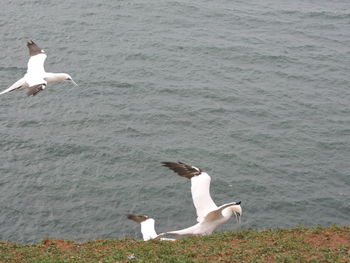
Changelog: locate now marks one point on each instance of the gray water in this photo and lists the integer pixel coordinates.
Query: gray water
(256, 93)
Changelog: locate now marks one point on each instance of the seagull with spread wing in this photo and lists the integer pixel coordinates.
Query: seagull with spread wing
(209, 215)
(36, 78)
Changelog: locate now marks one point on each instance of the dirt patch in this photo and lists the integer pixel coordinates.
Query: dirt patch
(328, 240)
(61, 244)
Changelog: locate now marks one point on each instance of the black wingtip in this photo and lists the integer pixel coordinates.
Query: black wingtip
(182, 169)
(34, 49)
(137, 218)
(172, 163)
(238, 203)
(129, 216)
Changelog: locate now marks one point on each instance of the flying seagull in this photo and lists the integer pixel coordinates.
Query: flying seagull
(147, 227)
(209, 215)
(36, 78)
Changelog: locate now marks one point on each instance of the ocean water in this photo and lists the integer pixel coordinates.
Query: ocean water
(256, 93)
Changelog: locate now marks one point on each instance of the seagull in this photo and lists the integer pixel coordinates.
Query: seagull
(209, 215)
(36, 78)
(147, 227)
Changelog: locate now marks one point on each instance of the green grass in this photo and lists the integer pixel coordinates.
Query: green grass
(301, 244)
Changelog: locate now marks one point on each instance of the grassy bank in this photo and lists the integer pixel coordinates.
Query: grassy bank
(318, 244)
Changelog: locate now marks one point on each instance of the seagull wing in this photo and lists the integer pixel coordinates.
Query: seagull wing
(147, 229)
(216, 214)
(147, 226)
(34, 49)
(200, 187)
(137, 218)
(36, 72)
(182, 169)
(33, 90)
(17, 85)
(36, 60)
(36, 64)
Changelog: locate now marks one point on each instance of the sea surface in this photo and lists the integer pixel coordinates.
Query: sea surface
(255, 93)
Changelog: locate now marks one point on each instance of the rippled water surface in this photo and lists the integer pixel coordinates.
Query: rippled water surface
(256, 93)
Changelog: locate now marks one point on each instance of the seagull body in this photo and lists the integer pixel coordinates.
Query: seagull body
(209, 215)
(147, 227)
(36, 78)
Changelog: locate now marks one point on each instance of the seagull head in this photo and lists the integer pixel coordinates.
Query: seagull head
(69, 78)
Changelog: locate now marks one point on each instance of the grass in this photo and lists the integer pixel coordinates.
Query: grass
(300, 244)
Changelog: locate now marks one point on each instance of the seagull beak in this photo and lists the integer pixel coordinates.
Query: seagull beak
(74, 82)
(238, 217)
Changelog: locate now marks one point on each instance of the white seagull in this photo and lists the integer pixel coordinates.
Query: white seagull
(147, 227)
(209, 215)
(36, 78)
